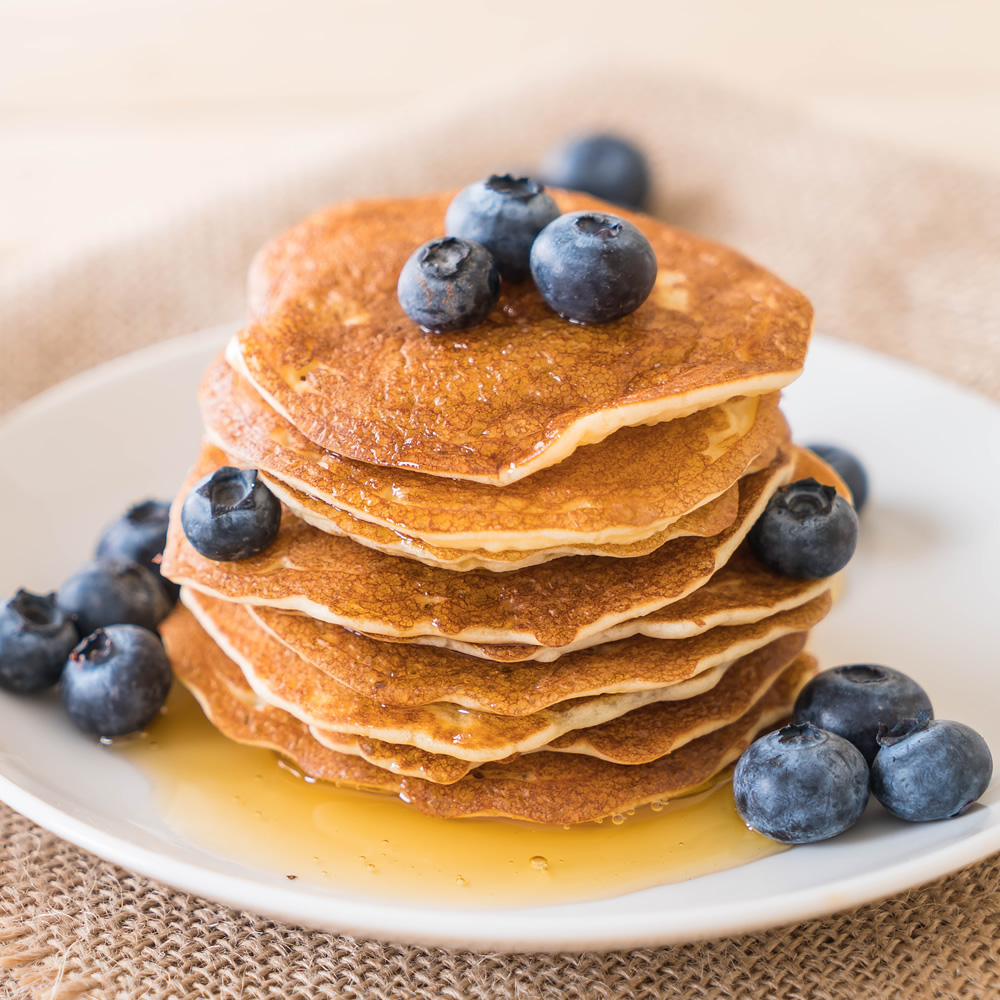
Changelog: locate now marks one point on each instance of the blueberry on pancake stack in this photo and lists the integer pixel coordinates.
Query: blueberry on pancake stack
(512, 574)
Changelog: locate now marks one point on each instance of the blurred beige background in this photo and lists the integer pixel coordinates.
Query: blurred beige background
(109, 107)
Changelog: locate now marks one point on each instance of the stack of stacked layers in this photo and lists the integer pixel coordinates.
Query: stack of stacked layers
(511, 576)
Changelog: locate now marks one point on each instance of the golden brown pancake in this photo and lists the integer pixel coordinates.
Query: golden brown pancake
(743, 591)
(642, 735)
(330, 349)
(408, 676)
(707, 520)
(632, 485)
(662, 673)
(572, 788)
(553, 604)
(541, 787)
(655, 730)
(234, 709)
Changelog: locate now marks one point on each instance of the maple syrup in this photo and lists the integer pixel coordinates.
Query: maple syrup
(247, 805)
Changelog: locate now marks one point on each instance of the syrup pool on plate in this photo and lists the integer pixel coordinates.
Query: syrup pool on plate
(247, 805)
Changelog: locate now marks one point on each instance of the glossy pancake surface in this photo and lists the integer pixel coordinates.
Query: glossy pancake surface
(553, 604)
(622, 490)
(331, 350)
(541, 787)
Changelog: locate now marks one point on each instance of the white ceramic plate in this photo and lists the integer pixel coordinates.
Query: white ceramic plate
(922, 596)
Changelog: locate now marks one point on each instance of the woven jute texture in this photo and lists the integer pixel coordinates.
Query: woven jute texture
(898, 253)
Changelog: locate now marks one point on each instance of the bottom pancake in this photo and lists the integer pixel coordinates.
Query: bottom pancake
(542, 787)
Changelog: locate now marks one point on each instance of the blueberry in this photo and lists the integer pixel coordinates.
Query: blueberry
(113, 592)
(806, 531)
(592, 267)
(852, 700)
(230, 514)
(504, 214)
(602, 165)
(449, 284)
(847, 467)
(930, 768)
(140, 534)
(801, 784)
(116, 680)
(35, 639)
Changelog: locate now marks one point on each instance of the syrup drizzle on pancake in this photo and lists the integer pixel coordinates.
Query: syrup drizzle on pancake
(331, 351)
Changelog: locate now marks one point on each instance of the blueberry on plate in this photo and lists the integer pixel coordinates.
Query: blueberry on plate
(504, 214)
(140, 534)
(853, 700)
(230, 514)
(806, 531)
(801, 784)
(116, 681)
(113, 592)
(36, 636)
(603, 165)
(929, 769)
(847, 467)
(449, 284)
(592, 267)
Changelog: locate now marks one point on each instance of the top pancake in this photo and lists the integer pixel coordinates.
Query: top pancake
(331, 350)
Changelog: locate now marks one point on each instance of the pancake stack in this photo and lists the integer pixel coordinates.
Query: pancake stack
(511, 577)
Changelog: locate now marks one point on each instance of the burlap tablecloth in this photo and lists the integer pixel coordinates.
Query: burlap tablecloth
(897, 253)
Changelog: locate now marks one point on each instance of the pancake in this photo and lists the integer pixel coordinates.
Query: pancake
(330, 349)
(707, 520)
(743, 591)
(571, 788)
(232, 707)
(641, 736)
(630, 486)
(284, 680)
(553, 604)
(653, 731)
(402, 760)
(409, 676)
(542, 787)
